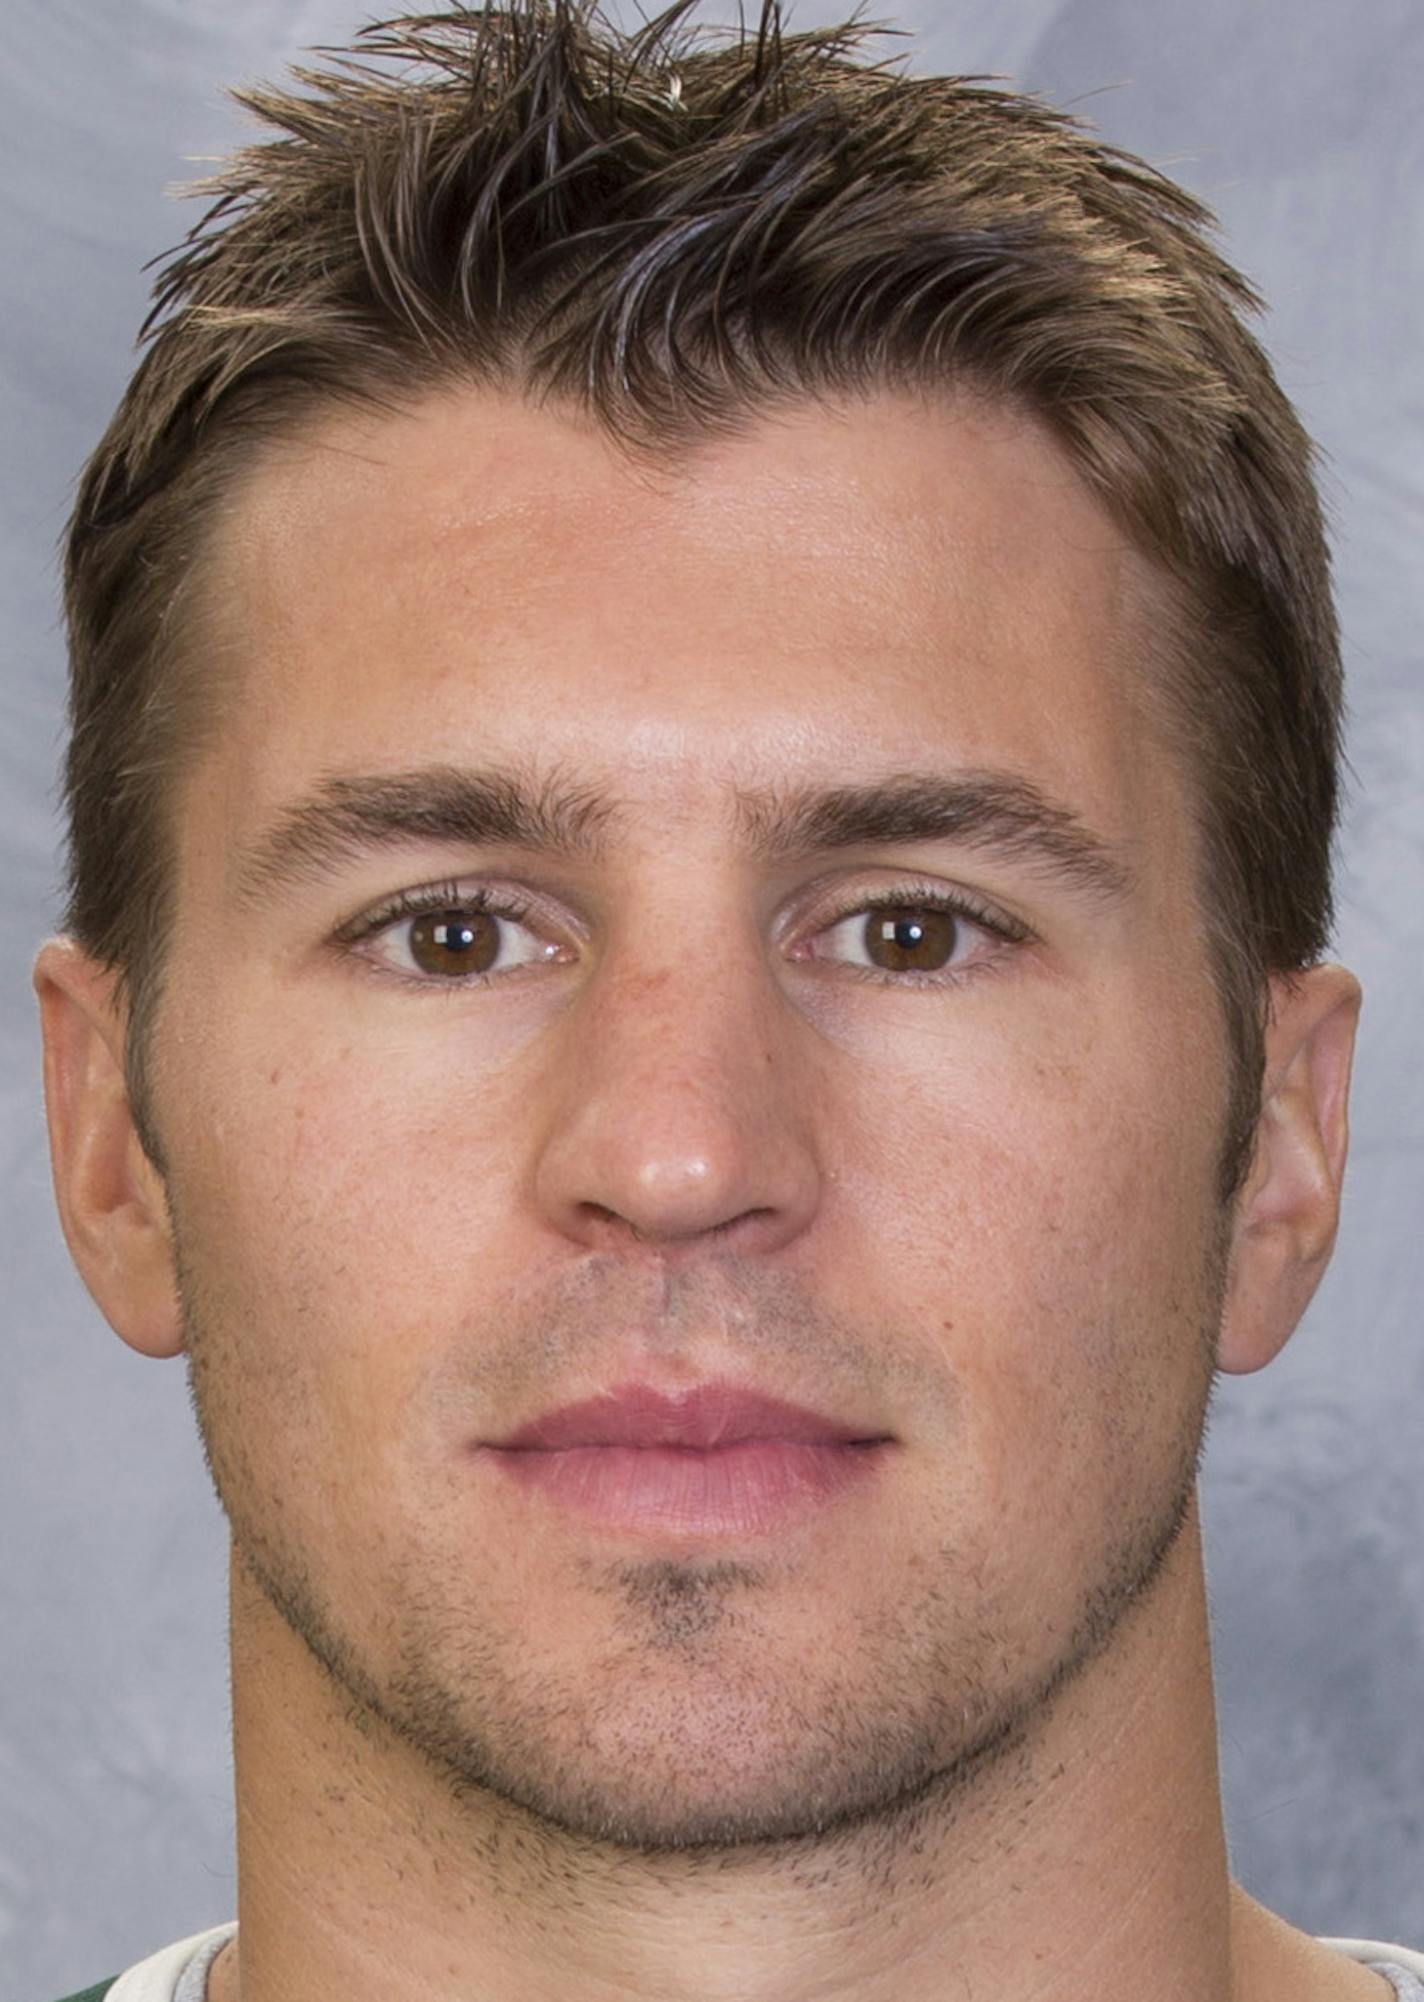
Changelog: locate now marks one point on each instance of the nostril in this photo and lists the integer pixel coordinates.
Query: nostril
(614, 1225)
(731, 1223)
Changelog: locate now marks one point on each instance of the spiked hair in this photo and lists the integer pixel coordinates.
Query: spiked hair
(671, 230)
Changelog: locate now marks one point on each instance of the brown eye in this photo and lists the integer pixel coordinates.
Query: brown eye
(910, 940)
(452, 943)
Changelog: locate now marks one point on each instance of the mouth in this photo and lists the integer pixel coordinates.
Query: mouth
(715, 1460)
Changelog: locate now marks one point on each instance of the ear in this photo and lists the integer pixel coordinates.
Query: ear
(1287, 1214)
(112, 1202)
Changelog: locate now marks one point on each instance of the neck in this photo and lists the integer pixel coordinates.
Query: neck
(1089, 1862)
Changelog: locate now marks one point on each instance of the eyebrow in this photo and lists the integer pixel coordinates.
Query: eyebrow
(998, 813)
(445, 804)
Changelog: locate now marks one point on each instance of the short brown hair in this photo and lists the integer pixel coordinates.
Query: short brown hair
(672, 230)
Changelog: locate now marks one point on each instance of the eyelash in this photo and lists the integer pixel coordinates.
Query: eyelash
(452, 896)
(423, 902)
(925, 897)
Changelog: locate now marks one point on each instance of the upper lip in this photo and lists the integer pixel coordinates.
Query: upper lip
(707, 1414)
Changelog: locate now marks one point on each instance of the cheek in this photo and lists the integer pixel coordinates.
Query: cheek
(1053, 1233)
(1075, 1331)
(1084, 1153)
(337, 1243)
(343, 1223)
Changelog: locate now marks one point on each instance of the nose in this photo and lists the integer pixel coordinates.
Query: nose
(683, 1114)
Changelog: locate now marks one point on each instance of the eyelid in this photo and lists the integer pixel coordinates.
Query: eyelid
(925, 894)
(503, 902)
(515, 905)
(500, 900)
(999, 932)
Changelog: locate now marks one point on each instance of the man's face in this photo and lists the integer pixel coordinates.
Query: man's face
(904, 1105)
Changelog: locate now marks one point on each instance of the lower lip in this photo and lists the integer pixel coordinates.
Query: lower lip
(733, 1490)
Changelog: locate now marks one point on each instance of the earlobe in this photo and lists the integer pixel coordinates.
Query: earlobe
(111, 1198)
(1287, 1214)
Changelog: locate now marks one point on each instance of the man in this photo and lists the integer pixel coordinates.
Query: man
(705, 717)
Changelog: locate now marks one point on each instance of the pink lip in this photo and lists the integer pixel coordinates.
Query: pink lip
(712, 1461)
(709, 1414)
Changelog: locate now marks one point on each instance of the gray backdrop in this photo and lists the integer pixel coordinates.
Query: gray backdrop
(1299, 120)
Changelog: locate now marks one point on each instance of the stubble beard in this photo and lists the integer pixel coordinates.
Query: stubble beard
(876, 1760)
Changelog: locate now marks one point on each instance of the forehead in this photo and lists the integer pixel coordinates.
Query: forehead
(877, 584)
